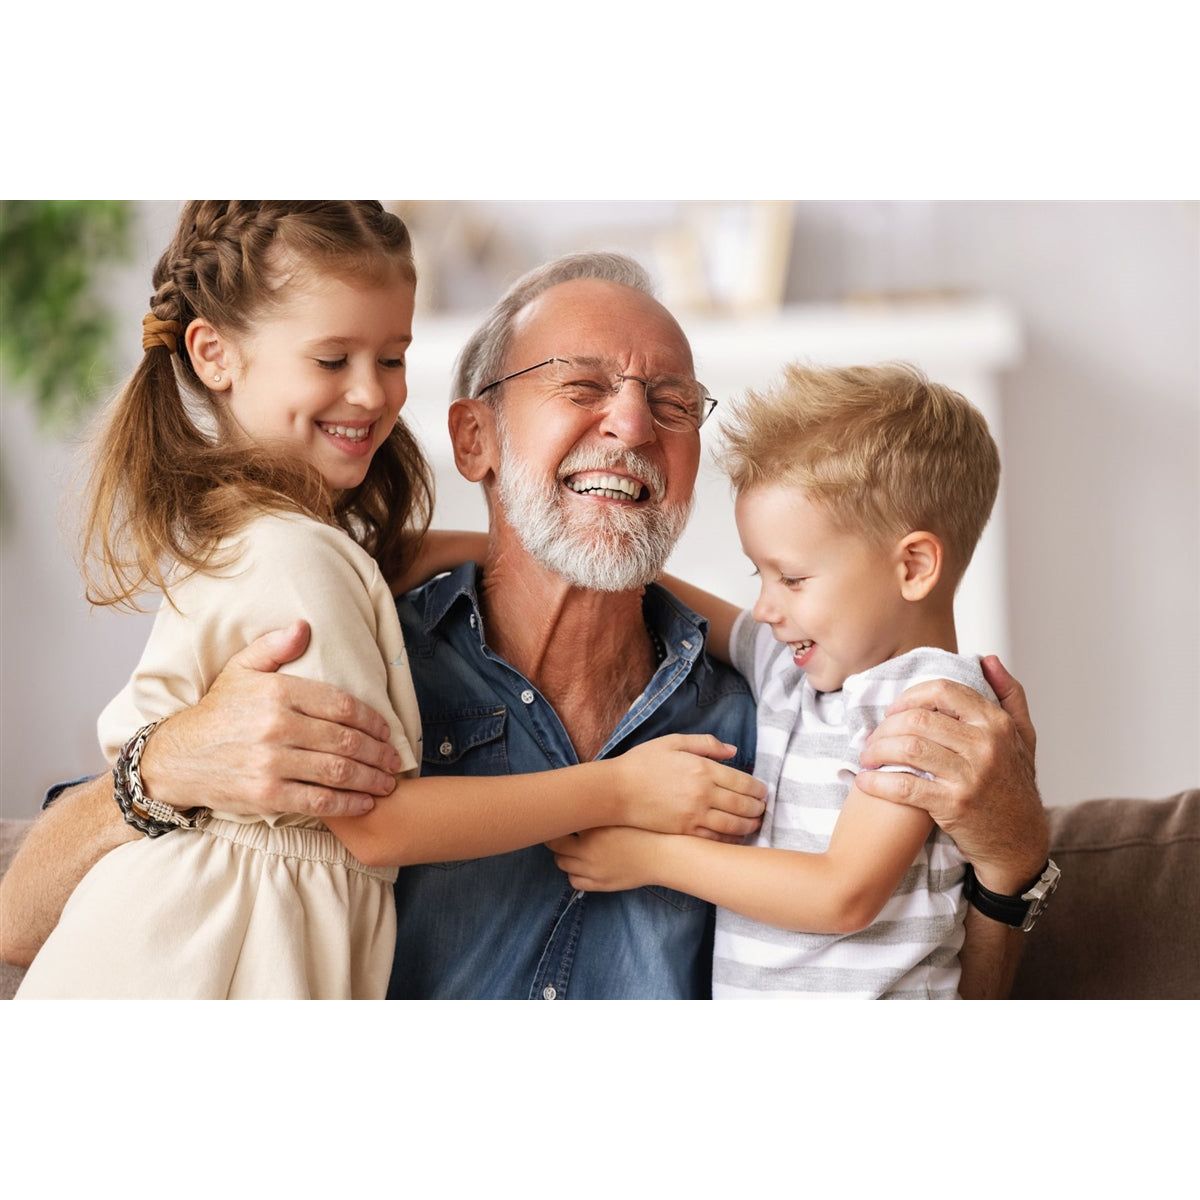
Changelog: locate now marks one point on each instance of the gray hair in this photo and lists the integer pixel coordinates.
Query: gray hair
(482, 358)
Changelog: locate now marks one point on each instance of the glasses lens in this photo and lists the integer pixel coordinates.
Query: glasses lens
(587, 384)
(676, 403)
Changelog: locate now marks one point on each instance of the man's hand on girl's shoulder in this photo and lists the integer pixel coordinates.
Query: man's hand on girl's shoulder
(262, 743)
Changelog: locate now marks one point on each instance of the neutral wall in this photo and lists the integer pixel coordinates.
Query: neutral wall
(1102, 428)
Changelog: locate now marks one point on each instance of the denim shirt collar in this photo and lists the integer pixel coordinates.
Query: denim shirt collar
(681, 630)
(435, 600)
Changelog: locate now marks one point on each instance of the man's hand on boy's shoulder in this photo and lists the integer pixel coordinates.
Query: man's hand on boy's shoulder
(983, 792)
(261, 743)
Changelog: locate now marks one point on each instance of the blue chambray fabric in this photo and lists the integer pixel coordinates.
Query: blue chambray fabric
(511, 926)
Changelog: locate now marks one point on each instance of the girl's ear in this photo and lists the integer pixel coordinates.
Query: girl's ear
(475, 440)
(209, 353)
(920, 560)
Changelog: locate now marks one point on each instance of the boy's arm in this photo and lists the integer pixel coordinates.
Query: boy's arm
(719, 613)
(840, 891)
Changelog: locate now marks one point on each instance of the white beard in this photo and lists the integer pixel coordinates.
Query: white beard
(616, 547)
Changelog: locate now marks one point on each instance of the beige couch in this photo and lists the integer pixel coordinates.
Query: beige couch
(1124, 924)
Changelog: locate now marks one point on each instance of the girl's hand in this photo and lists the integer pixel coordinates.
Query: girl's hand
(672, 785)
(607, 860)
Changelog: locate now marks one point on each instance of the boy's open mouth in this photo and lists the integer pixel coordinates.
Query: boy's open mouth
(801, 651)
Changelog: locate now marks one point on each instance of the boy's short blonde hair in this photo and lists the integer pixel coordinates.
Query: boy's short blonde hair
(882, 449)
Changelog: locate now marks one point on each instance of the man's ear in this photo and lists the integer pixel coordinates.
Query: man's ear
(210, 354)
(474, 438)
(920, 560)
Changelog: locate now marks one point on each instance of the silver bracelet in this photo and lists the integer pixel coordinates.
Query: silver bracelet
(143, 812)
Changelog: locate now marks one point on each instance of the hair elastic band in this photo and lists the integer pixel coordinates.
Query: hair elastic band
(159, 333)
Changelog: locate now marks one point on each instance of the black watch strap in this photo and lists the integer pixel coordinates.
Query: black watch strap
(1020, 911)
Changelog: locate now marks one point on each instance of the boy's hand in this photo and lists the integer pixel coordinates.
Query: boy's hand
(673, 785)
(607, 860)
(983, 793)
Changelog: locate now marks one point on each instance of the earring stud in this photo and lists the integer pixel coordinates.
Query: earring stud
(216, 379)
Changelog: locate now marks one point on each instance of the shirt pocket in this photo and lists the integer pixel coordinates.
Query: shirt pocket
(468, 742)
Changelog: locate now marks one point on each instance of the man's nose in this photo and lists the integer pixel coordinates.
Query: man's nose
(627, 414)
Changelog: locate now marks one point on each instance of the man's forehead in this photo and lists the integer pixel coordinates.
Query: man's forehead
(604, 320)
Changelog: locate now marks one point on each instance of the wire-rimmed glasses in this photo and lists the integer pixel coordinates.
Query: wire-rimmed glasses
(676, 402)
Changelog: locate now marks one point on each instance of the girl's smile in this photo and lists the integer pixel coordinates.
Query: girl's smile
(324, 375)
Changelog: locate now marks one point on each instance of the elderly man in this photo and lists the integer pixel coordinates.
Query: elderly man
(560, 650)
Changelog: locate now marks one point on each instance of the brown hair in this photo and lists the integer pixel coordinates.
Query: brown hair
(882, 449)
(164, 492)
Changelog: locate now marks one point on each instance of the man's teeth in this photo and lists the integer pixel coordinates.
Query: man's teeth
(615, 487)
(353, 435)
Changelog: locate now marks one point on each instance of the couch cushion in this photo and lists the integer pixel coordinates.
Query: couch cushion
(1125, 921)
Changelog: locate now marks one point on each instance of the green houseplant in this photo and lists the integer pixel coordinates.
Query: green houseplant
(55, 330)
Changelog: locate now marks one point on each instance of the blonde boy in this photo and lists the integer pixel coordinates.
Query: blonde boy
(861, 494)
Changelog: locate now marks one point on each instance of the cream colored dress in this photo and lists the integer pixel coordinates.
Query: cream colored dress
(244, 907)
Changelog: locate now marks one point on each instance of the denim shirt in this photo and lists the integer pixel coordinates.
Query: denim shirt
(511, 926)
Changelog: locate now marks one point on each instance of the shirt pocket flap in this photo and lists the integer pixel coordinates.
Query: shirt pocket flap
(447, 739)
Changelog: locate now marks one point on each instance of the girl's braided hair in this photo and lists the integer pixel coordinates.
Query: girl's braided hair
(163, 490)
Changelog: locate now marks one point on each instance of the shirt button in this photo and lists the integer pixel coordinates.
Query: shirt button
(527, 698)
(549, 993)
(445, 749)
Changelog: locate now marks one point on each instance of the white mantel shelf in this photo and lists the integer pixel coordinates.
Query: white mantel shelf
(965, 344)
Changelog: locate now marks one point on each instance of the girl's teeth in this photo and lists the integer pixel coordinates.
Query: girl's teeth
(354, 435)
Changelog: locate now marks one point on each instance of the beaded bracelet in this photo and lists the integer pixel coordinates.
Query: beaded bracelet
(151, 817)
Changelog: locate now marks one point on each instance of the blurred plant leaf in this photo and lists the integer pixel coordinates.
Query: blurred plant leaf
(55, 332)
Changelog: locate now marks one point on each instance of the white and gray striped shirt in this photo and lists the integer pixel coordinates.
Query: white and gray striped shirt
(808, 751)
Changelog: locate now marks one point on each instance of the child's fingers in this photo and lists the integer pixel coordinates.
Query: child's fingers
(740, 785)
(703, 744)
(727, 825)
(708, 834)
(739, 804)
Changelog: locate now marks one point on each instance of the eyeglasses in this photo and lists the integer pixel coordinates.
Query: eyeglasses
(676, 402)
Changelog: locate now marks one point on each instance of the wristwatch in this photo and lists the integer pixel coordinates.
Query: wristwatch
(1020, 911)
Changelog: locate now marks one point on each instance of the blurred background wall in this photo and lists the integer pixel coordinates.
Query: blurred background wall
(1097, 392)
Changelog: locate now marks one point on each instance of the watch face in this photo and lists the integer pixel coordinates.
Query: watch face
(1039, 895)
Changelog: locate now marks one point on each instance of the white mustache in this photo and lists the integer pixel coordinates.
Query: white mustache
(628, 462)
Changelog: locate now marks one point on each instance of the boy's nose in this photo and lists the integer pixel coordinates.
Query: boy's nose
(763, 612)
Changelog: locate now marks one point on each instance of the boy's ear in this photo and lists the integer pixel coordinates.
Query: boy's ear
(210, 354)
(475, 440)
(920, 560)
